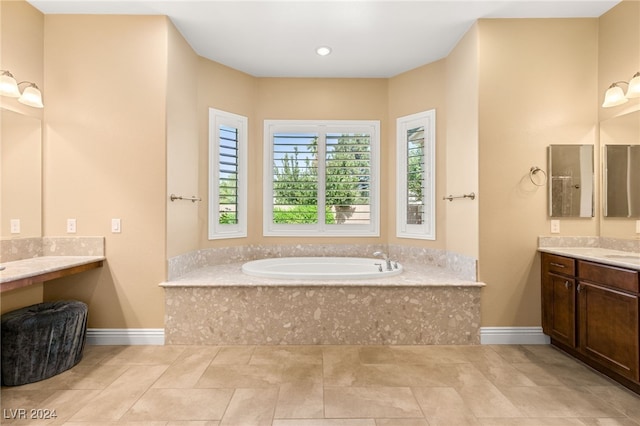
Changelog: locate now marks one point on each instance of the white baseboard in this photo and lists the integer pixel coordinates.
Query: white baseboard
(513, 336)
(155, 336)
(125, 336)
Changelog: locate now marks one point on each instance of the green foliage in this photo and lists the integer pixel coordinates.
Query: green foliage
(301, 214)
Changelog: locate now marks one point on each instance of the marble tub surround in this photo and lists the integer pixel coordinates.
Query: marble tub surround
(230, 275)
(367, 315)
(219, 305)
(183, 264)
(209, 301)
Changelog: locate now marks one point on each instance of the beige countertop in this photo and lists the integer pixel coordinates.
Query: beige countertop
(231, 275)
(605, 256)
(21, 273)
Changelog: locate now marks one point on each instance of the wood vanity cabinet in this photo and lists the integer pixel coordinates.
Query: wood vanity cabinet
(590, 310)
(558, 296)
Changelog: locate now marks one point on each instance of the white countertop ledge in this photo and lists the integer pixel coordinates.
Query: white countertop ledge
(25, 269)
(231, 275)
(623, 259)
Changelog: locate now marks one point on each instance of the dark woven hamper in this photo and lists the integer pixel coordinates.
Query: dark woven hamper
(42, 340)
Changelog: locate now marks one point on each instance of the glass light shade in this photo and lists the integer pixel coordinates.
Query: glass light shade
(8, 85)
(633, 91)
(614, 96)
(31, 96)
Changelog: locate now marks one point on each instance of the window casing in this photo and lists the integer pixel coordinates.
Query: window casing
(321, 178)
(227, 175)
(415, 216)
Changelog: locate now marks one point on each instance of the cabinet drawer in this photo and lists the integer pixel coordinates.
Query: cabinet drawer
(558, 264)
(623, 279)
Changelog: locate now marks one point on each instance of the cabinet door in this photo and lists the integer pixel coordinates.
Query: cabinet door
(559, 308)
(609, 328)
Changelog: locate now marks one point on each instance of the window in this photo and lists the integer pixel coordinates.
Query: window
(321, 178)
(416, 176)
(227, 175)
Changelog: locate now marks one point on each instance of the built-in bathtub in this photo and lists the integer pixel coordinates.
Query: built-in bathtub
(220, 305)
(322, 268)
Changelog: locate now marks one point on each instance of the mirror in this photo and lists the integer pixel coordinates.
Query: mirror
(20, 175)
(571, 181)
(620, 137)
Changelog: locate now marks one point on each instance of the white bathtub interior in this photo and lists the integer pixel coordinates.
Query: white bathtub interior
(312, 268)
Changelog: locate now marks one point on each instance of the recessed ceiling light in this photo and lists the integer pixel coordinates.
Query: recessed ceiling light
(323, 50)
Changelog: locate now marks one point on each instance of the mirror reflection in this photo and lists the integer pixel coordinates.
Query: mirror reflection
(622, 181)
(620, 137)
(571, 180)
(20, 175)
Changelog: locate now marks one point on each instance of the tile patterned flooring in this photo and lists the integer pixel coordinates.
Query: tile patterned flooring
(325, 386)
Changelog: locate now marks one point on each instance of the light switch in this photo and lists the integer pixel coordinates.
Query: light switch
(115, 226)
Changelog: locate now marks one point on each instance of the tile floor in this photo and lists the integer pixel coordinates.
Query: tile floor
(324, 386)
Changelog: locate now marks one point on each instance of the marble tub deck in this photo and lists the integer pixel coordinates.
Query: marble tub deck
(219, 305)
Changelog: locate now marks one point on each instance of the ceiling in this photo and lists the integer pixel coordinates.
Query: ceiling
(368, 38)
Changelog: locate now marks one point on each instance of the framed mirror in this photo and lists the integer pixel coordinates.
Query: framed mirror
(571, 180)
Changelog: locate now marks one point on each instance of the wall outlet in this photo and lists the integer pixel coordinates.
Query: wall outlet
(71, 226)
(555, 226)
(637, 226)
(116, 226)
(15, 226)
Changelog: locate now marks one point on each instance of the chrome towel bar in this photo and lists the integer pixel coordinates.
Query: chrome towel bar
(471, 195)
(193, 199)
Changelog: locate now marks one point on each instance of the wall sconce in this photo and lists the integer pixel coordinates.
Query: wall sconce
(615, 96)
(31, 94)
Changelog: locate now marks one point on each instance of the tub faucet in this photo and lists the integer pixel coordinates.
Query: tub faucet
(386, 259)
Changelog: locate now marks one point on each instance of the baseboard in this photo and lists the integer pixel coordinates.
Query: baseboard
(513, 336)
(155, 336)
(125, 336)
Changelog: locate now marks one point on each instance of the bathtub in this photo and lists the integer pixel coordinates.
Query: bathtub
(313, 268)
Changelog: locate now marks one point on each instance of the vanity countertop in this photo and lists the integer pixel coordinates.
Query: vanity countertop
(623, 259)
(21, 273)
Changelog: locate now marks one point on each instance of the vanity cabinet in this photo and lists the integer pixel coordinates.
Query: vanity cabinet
(590, 310)
(558, 295)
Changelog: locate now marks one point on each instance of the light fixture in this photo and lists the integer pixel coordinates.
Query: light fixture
(30, 96)
(323, 50)
(8, 85)
(614, 95)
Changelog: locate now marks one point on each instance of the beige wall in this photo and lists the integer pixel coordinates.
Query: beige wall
(182, 144)
(537, 86)
(226, 89)
(462, 219)
(105, 157)
(418, 90)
